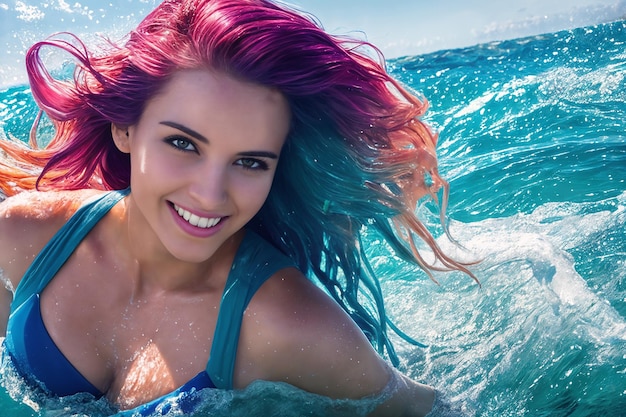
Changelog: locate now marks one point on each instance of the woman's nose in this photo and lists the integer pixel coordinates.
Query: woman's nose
(210, 186)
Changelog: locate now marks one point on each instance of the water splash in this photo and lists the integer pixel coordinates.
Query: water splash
(536, 339)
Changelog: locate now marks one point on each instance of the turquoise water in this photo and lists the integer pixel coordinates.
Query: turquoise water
(532, 140)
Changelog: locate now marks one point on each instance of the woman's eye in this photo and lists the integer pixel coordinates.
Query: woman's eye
(181, 143)
(253, 164)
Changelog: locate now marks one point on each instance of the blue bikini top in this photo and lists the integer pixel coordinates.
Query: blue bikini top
(38, 359)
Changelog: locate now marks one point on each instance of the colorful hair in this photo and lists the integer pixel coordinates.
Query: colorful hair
(357, 155)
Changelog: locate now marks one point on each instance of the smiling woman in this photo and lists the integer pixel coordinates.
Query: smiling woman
(200, 177)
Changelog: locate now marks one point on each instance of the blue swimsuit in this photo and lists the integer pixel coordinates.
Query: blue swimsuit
(39, 360)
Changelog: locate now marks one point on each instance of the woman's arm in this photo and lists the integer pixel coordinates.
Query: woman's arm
(293, 332)
(27, 221)
(407, 398)
(5, 308)
(7, 259)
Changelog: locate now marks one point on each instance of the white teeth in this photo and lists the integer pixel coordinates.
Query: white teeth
(201, 222)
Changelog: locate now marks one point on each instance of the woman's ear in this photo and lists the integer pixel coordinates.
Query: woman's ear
(121, 137)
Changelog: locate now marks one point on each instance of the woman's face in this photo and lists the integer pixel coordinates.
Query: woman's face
(203, 157)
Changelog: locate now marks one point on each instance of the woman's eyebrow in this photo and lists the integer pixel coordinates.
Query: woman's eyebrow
(259, 154)
(186, 130)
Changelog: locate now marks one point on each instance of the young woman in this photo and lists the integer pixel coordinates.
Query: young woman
(198, 176)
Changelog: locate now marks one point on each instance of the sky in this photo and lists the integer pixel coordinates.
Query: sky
(411, 27)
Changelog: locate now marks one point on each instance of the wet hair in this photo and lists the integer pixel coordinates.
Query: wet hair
(358, 155)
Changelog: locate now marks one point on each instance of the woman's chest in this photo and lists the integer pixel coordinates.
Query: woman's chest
(131, 345)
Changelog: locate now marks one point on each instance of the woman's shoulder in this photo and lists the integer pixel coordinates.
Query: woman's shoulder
(28, 221)
(43, 206)
(298, 334)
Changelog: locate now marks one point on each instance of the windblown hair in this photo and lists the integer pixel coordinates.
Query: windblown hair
(357, 154)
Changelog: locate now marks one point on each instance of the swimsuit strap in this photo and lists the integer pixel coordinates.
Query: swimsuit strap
(256, 261)
(58, 249)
